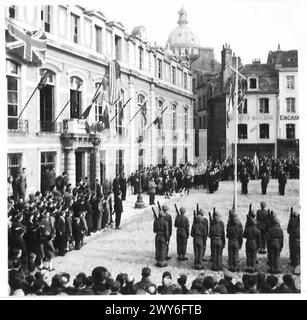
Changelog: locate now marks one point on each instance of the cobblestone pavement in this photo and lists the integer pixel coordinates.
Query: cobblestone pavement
(132, 247)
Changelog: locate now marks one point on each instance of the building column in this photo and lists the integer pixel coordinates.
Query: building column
(71, 166)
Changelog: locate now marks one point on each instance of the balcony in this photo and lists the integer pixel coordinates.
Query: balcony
(50, 127)
(74, 126)
(18, 125)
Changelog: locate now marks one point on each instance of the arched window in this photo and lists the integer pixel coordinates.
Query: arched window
(174, 117)
(75, 97)
(13, 93)
(46, 100)
(186, 110)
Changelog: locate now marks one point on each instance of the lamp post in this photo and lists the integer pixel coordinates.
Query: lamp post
(139, 201)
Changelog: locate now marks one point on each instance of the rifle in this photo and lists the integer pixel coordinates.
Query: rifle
(210, 217)
(197, 208)
(214, 211)
(176, 209)
(194, 213)
(249, 210)
(154, 213)
(159, 206)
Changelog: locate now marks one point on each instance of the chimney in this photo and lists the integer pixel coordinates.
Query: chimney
(256, 61)
(226, 56)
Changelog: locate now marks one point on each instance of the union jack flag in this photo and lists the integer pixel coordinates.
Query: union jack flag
(28, 45)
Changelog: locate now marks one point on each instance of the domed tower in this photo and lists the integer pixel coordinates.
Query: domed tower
(183, 41)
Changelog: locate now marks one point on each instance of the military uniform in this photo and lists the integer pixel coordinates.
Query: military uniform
(182, 225)
(275, 238)
(160, 228)
(198, 233)
(294, 240)
(235, 238)
(205, 223)
(265, 178)
(244, 181)
(252, 235)
(168, 219)
(282, 180)
(262, 223)
(217, 236)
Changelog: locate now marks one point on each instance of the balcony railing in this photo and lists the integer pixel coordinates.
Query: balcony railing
(18, 125)
(75, 126)
(50, 126)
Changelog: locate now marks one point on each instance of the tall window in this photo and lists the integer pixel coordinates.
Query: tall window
(199, 103)
(290, 82)
(159, 69)
(243, 107)
(98, 35)
(242, 131)
(173, 75)
(264, 105)
(12, 78)
(75, 28)
(193, 84)
(185, 81)
(120, 115)
(174, 117)
(290, 131)
(141, 101)
(46, 18)
(14, 163)
(47, 103)
(264, 131)
(186, 155)
(75, 97)
(141, 58)
(99, 105)
(174, 157)
(186, 120)
(118, 48)
(119, 161)
(160, 109)
(290, 104)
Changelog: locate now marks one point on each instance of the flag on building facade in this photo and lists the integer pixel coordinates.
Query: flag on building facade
(114, 81)
(144, 111)
(253, 128)
(43, 81)
(230, 103)
(256, 165)
(28, 45)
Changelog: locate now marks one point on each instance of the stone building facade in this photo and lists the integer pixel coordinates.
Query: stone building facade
(81, 46)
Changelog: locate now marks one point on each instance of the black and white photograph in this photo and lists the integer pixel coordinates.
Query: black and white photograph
(153, 148)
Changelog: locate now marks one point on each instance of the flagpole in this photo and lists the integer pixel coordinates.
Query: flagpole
(120, 110)
(155, 119)
(236, 136)
(31, 96)
(136, 113)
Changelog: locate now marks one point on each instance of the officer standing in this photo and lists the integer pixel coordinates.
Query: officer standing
(182, 225)
(265, 178)
(244, 181)
(235, 239)
(160, 228)
(275, 238)
(262, 223)
(294, 239)
(282, 180)
(168, 219)
(217, 236)
(252, 235)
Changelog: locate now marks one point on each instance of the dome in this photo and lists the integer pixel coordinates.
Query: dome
(183, 36)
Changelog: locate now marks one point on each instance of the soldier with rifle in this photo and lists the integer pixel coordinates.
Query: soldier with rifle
(217, 236)
(275, 240)
(204, 220)
(234, 234)
(168, 219)
(160, 228)
(262, 223)
(293, 230)
(182, 225)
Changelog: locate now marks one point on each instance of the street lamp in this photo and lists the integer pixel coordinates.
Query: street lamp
(139, 201)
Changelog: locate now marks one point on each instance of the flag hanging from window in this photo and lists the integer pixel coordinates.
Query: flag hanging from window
(256, 165)
(28, 45)
(144, 112)
(230, 103)
(114, 81)
(158, 121)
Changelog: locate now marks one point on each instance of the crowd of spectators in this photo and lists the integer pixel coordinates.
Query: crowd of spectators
(101, 282)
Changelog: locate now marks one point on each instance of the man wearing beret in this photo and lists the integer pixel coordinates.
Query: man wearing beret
(252, 235)
(182, 225)
(275, 238)
(262, 223)
(198, 234)
(160, 228)
(217, 236)
(168, 219)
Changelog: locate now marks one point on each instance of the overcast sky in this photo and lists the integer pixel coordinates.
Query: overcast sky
(252, 27)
